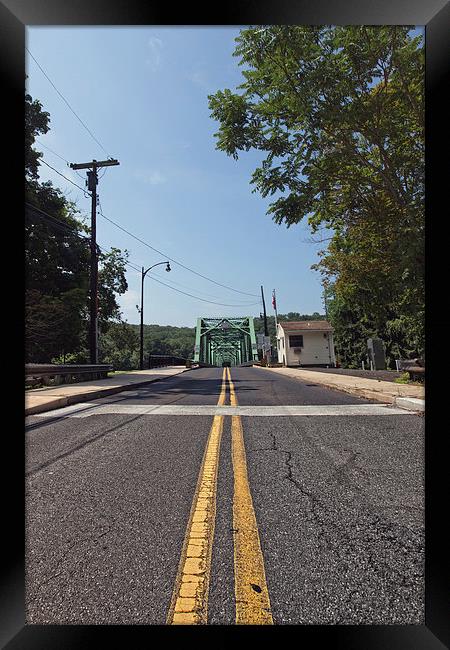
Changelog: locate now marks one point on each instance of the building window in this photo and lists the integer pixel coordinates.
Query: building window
(296, 341)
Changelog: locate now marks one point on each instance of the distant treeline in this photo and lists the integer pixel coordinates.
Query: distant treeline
(120, 344)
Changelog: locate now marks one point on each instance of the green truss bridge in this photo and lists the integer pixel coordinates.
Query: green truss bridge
(225, 340)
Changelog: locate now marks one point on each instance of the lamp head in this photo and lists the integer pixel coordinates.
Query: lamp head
(168, 267)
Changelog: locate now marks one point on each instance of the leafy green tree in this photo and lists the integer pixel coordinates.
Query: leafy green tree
(57, 256)
(111, 282)
(119, 346)
(339, 114)
(36, 123)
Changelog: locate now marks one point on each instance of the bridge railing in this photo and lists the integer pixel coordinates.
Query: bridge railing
(415, 368)
(49, 374)
(163, 360)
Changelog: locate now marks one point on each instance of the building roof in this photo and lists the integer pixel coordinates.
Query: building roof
(302, 325)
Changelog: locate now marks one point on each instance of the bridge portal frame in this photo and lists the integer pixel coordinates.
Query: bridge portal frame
(225, 339)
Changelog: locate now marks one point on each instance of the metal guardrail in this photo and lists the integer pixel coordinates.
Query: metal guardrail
(415, 367)
(55, 374)
(162, 360)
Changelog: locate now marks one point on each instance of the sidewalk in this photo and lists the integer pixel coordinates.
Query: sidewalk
(388, 392)
(46, 399)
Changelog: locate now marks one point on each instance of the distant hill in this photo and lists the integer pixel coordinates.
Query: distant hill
(168, 339)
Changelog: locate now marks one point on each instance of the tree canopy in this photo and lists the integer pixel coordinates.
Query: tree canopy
(339, 115)
(57, 258)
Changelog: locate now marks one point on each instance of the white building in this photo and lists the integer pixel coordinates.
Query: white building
(305, 343)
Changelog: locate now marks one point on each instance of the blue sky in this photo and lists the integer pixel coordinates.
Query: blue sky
(143, 92)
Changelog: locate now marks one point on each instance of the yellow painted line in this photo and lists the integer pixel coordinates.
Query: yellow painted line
(252, 594)
(233, 399)
(223, 390)
(189, 604)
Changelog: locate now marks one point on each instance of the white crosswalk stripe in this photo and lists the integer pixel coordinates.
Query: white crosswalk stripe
(91, 409)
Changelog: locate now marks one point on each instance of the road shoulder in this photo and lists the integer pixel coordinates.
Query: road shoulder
(47, 399)
(401, 395)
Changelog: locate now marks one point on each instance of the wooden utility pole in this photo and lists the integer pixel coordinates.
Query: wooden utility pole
(92, 181)
(274, 305)
(266, 329)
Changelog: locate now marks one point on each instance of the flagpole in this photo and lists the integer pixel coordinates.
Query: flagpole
(274, 303)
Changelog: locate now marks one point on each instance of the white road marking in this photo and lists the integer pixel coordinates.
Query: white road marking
(89, 410)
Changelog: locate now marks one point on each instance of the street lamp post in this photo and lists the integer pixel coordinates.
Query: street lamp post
(144, 273)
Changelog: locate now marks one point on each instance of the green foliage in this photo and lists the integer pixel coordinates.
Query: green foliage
(36, 123)
(111, 282)
(120, 343)
(57, 257)
(339, 114)
(119, 346)
(403, 379)
(80, 357)
(167, 339)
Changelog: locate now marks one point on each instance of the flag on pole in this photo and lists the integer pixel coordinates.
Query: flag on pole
(274, 300)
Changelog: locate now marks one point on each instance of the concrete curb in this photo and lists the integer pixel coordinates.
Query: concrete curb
(55, 403)
(409, 403)
(59, 402)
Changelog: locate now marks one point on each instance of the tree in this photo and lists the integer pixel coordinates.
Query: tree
(111, 282)
(120, 346)
(339, 114)
(36, 123)
(57, 256)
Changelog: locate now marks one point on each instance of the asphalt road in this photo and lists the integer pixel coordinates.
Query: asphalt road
(338, 502)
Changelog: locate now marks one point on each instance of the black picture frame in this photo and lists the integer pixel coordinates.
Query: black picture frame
(15, 16)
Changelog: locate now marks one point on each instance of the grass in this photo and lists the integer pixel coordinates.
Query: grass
(405, 379)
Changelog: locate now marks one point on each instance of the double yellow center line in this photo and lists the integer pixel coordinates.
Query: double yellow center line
(189, 604)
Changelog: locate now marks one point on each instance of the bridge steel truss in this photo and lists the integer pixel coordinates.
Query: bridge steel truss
(224, 339)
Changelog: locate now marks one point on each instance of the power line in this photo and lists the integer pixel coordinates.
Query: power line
(66, 102)
(202, 299)
(67, 179)
(65, 226)
(151, 247)
(150, 275)
(57, 222)
(110, 220)
(202, 292)
(53, 152)
(253, 295)
(61, 225)
(58, 155)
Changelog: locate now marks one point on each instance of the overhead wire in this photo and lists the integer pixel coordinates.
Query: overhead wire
(202, 299)
(253, 295)
(146, 243)
(203, 292)
(53, 152)
(67, 179)
(67, 103)
(101, 212)
(155, 249)
(63, 226)
(59, 156)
